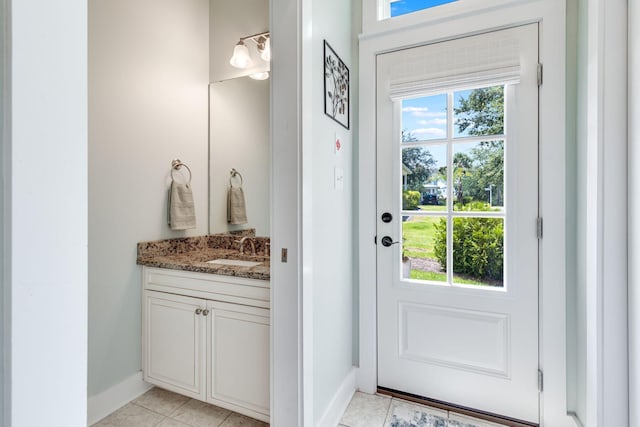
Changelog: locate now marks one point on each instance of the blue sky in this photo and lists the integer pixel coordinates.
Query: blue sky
(402, 7)
(426, 119)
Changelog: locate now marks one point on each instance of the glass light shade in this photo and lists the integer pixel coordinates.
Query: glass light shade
(260, 76)
(266, 52)
(241, 58)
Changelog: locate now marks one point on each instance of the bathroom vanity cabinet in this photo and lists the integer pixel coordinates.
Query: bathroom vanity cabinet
(206, 336)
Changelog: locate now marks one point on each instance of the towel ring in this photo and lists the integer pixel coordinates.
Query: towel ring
(176, 164)
(233, 174)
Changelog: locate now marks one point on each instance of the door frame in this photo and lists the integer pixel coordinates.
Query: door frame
(551, 15)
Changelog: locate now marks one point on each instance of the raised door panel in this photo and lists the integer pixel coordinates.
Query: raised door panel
(238, 348)
(173, 337)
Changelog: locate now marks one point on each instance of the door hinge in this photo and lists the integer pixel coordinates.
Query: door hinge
(539, 75)
(540, 381)
(539, 228)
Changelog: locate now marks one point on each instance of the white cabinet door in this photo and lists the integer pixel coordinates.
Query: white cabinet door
(172, 342)
(238, 358)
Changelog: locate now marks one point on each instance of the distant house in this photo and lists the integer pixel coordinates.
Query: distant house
(433, 192)
(405, 173)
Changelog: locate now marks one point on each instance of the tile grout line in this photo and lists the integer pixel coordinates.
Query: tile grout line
(139, 406)
(386, 418)
(161, 421)
(155, 412)
(225, 419)
(170, 416)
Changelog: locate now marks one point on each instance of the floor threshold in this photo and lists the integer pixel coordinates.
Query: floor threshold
(445, 406)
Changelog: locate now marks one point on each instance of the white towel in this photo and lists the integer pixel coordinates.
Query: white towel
(236, 208)
(182, 211)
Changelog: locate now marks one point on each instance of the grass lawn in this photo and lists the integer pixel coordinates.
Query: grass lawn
(419, 236)
(442, 277)
(428, 275)
(433, 208)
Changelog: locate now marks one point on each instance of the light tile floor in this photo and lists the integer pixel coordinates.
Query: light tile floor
(366, 410)
(162, 408)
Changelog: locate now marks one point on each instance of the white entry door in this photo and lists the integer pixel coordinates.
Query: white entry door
(457, 230)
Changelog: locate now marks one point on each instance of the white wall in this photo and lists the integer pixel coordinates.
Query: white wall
(634, 213)
(328, 245)
(148, 103)
(356, 20)
(3, 183)
(239, 138)
(46, 234)
(571, 202)
(578, 380)
(231, 20)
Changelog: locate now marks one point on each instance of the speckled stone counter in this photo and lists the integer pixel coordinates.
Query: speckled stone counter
(192, 254)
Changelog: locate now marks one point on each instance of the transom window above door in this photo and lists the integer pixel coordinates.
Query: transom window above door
(395, 8)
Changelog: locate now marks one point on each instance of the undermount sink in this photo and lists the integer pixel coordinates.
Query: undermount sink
(234, 262)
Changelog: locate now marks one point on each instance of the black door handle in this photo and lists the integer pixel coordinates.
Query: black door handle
(388, 241)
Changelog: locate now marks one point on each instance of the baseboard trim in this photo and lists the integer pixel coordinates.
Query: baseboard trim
(575, 418)
(102, 404)
(340, 401)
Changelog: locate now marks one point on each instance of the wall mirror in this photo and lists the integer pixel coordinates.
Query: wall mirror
(239, 139)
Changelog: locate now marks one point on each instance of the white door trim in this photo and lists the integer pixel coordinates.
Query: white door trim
(605, 136)
(287, 375)
(552, 15)
(634, 211)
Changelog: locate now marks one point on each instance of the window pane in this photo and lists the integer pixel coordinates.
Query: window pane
(479, 112)
(424, 248)
(424, 178)
(424, 119)
(478, 251)
(402, 7)
(478, 176)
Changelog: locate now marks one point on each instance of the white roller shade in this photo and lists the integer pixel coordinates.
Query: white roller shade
(471, 62)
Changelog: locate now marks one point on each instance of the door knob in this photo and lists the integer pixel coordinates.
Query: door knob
(205, 312)
(198, 311)
(388, 241)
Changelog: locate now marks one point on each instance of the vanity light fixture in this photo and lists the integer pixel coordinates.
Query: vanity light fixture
(266, 50)
(241, 57)
(260, 76)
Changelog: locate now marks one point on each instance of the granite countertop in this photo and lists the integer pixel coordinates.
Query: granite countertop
(192, 254)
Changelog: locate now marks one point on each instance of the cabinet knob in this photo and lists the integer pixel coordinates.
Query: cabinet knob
(205, 312)
(199, 311)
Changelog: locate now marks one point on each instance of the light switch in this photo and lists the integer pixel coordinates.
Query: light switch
(338, 174)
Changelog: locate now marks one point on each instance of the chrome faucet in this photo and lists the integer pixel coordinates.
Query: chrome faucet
(253, 245)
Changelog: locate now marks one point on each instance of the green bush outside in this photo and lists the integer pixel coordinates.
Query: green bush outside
(410, 200)
(477, 246)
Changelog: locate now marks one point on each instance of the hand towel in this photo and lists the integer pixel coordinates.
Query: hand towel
(182, 211)
(236, 208)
